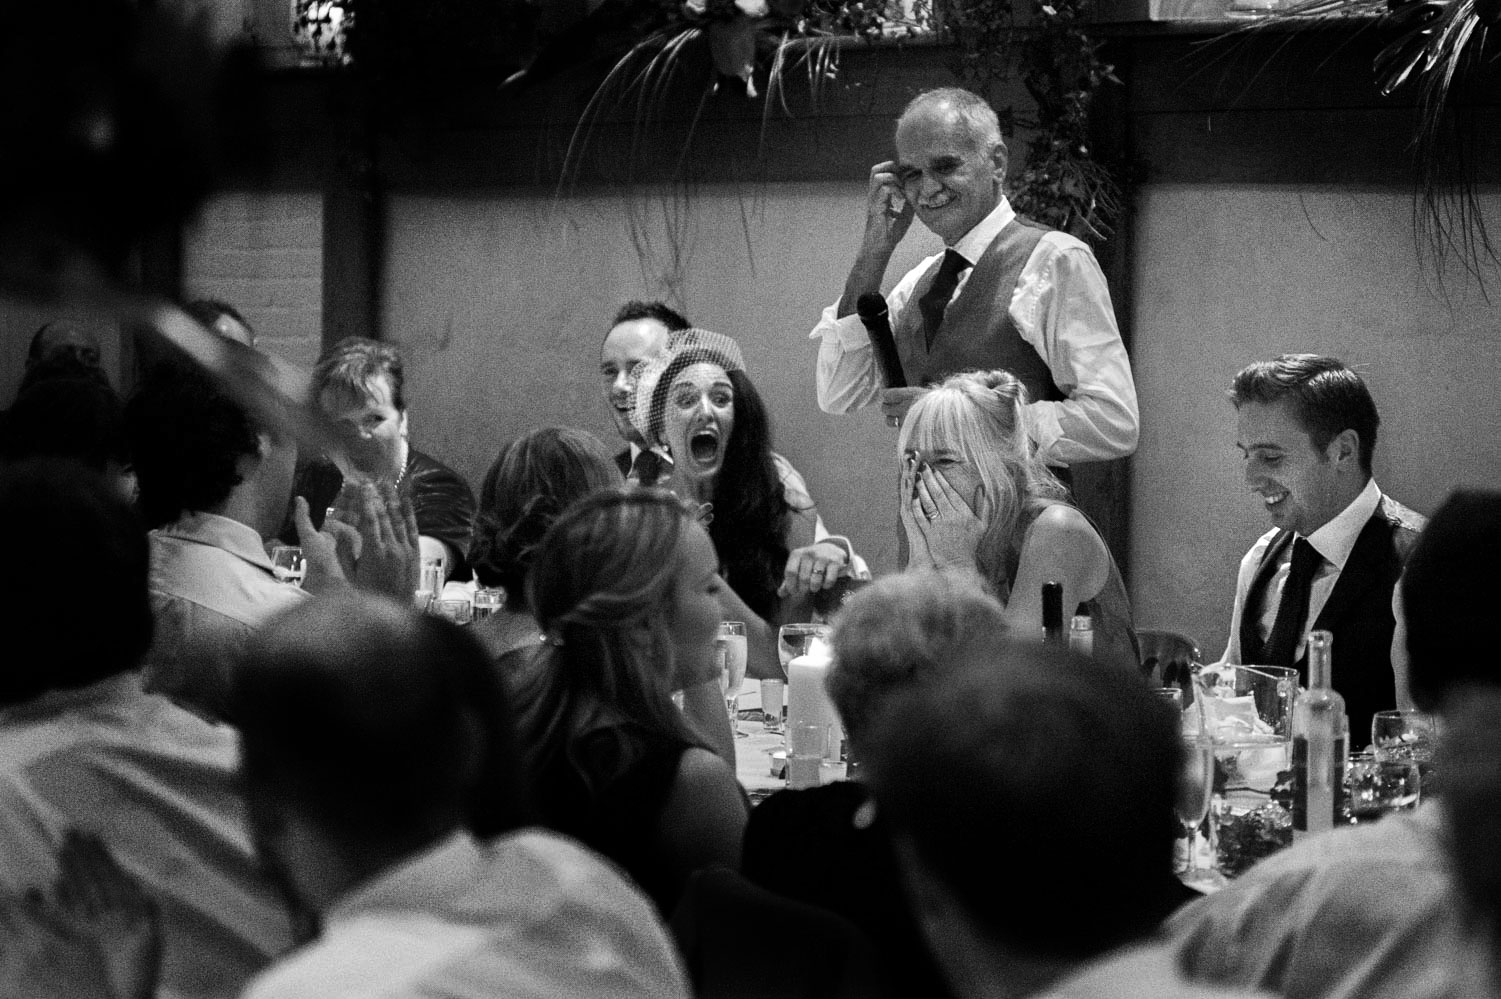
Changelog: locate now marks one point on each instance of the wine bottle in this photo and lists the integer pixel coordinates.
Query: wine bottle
(1319, 733)
(1052, 613)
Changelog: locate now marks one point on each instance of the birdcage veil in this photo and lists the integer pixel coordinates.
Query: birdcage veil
(654, 377)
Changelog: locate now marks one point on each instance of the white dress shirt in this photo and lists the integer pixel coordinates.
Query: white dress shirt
(211, 586)
(1061, 307)
(159, 786)
(527, 916)
(1334, 541)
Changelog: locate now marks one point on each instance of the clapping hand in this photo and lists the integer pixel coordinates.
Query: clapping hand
(95, 935)
(331, 553)
(390, 560)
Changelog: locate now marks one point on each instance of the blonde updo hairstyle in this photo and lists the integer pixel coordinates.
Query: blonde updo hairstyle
(980, 416)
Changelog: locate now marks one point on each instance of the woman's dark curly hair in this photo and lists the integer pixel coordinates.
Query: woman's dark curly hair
(533, 480)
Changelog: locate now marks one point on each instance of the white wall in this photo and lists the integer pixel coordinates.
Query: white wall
(1225, 275)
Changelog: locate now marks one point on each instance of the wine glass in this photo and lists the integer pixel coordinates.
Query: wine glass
(1195, 786)
(794, 640)
(731, 643)
(288, 564)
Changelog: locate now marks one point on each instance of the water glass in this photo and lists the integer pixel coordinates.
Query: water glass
(794, 640)
(771, 705)
(1375, 787)
(288, 564)
(806, 744)
(1247, 712)
(457, 611)
(488, 600)
(1406, 737)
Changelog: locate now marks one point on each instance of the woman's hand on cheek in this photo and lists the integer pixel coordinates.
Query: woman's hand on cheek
(913, 520)
(953, 531)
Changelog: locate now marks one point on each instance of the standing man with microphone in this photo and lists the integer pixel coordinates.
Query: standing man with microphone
(1003, 294)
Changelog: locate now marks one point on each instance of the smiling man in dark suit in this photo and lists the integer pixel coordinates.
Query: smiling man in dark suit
(1307, 428)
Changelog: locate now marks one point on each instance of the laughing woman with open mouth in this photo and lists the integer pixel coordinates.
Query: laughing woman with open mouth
(695, 405)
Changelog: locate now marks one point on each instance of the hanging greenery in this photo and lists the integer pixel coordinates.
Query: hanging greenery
(641, 46)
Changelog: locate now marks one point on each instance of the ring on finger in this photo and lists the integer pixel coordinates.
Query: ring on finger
(932, 516)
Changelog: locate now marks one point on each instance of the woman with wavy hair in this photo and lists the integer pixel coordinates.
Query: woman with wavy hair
(533, 480)
(974, 496)
(626, 587)
(696, 406)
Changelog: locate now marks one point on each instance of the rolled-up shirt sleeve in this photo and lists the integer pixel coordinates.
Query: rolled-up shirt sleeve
(847, 376)
(1062, 308)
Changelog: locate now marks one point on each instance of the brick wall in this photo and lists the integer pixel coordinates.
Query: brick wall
(262, 253)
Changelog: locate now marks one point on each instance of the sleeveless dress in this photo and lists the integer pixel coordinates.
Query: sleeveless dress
(599, 777)
(1115, 639)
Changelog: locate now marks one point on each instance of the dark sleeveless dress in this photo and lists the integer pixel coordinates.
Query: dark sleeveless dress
(1110, 611)
(599, 777)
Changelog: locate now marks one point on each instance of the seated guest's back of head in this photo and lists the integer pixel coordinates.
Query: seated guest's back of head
(827, 845)
(77, 418)
(380, 725)
(532, 481)
(377, 752)
(65, 520)
(1448, 589)
(190, 438)
(1031, 798)
(625, 587)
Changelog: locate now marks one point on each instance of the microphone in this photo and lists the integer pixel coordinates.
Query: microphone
(872, 309)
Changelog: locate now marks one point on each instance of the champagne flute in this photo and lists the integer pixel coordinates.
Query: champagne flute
(1195, 787)
(731, 642)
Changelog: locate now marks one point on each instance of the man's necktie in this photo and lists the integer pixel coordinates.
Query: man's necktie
(936, 300)
(646, 468)
(1292, 612)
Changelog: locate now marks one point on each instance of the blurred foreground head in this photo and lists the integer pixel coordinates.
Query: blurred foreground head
(1450, 591)
(116, 117)
(372, 730)
(62, 518)
(901, 632)
(1028, 780)
(1472, 801)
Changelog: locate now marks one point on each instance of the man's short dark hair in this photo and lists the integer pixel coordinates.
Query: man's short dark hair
(1038, 786)
(78, 418)
(187, 436)
(1327, 397)
(383, 725)
(1450, 592)
(353, 365)
(660, 311)
(63, 520)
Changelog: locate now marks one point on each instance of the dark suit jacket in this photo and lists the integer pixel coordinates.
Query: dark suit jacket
(1358, 612)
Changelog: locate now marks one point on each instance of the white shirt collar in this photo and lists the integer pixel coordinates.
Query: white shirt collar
(220, 532)
(973, 244)
(1336, 539)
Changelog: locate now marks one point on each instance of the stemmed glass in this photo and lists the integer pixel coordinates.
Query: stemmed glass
(1195, 783)
(288, 564)
(731, 645)
(793, 640)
